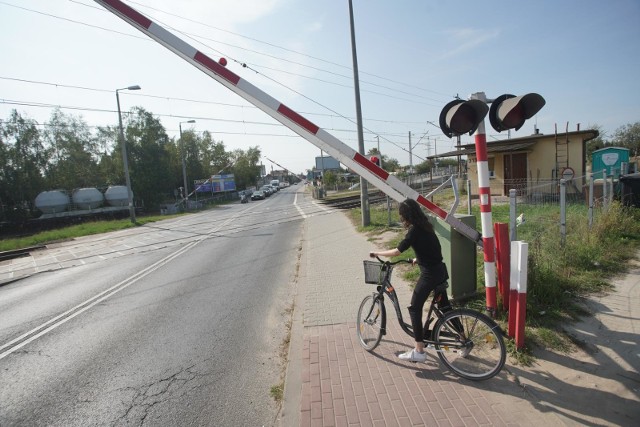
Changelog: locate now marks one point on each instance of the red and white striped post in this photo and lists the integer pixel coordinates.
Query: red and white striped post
(484, 193)
(518, 307)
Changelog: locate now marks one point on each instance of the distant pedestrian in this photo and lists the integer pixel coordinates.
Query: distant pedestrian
(421, 237)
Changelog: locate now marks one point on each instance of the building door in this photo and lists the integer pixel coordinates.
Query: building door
(515, 172)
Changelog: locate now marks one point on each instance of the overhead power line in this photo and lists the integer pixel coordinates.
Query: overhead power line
(163, 97)
(174, 116)
(197, 37)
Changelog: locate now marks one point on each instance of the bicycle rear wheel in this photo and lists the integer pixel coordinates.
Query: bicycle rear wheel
(371, 317)
(470, 344)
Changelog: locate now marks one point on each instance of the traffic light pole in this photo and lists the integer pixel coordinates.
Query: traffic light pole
(484, 195)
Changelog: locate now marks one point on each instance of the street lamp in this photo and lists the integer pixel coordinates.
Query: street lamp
(132, 211)
(184, 166)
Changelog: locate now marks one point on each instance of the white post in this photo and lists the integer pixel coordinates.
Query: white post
(512, 214)
(563, 211)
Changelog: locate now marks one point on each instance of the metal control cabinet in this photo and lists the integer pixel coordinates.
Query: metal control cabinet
(459, 254)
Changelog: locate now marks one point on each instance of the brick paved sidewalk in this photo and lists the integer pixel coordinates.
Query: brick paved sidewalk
(344, 385)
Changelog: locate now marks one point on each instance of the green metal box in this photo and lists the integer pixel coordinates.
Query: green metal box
(459, 254)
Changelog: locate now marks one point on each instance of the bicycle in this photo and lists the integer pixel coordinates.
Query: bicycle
(468, 342)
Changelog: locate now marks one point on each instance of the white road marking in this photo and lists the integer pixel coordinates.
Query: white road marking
(295, 203)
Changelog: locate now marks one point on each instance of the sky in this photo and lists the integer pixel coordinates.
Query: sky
(413, 56)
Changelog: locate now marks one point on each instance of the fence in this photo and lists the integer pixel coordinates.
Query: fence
(589, 191)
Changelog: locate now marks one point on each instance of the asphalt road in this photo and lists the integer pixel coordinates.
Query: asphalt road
(182, 334)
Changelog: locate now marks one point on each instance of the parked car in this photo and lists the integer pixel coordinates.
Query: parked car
(258, 195)
(267, 190)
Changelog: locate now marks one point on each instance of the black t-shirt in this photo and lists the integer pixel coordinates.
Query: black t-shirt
(425, 244)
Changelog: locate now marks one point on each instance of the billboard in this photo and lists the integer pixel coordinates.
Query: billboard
(216, 184)
(326, 163)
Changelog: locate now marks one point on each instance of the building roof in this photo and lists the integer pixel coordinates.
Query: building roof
(515, 144)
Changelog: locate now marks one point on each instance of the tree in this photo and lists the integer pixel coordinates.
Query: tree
(24, 160)
(424, 167)
(74, 163)
(245, 167)
(330, 179)
(628, 136)
(597, 143)
(191, 148)
(147, 140)
(215, 158)
(110, 166)
(388, 163)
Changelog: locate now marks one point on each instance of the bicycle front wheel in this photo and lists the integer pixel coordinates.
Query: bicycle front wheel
(470, 344)
(371, 317)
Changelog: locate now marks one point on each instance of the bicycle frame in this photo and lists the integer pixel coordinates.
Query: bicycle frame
(434, 312)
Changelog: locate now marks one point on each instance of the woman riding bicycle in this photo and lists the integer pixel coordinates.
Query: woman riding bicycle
(421, 237)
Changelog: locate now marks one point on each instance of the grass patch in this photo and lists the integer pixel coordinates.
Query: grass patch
(84, 229)
(277, 392)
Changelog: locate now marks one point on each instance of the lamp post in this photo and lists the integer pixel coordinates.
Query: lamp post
(132, 211)
(184, 166)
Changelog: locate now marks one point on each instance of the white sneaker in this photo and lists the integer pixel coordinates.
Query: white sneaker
(413, 356)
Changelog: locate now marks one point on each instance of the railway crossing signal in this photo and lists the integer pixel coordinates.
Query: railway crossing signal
(510, 111)
(459, 116)
(507, 112)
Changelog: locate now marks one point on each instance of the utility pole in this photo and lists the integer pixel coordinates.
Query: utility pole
(410, 159)
(364, 192)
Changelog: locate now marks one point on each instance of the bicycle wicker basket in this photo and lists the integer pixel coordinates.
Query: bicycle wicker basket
(374, 272)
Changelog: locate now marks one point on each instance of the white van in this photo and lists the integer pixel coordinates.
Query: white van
(275, 184)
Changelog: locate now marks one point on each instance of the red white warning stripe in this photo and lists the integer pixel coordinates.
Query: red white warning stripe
(386, 182)
(484, 192)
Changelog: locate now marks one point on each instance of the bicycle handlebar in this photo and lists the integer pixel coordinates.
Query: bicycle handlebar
(406, 261)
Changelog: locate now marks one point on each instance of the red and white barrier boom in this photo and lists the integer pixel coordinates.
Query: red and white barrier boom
(386, 182)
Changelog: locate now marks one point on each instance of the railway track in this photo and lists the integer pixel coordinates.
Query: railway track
(351, 202)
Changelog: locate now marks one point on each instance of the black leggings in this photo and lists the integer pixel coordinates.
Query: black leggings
(429, 279)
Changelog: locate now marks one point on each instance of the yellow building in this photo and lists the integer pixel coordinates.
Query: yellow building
(524, 163)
